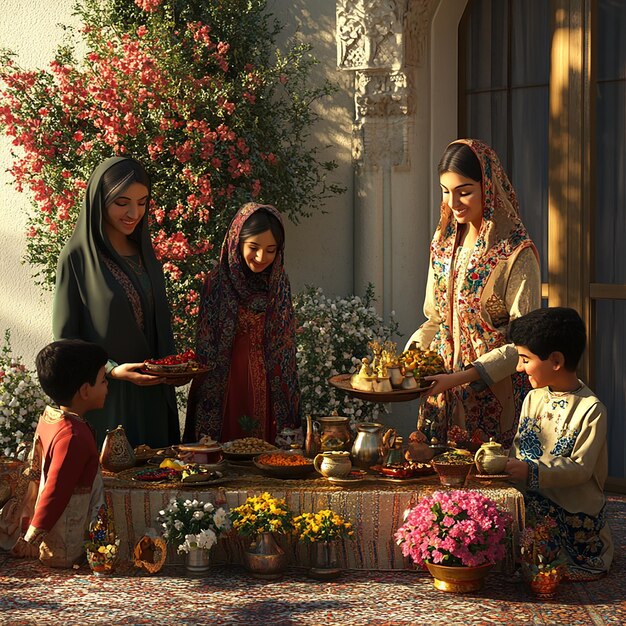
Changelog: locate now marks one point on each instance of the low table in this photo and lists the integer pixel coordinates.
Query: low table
(375, 507)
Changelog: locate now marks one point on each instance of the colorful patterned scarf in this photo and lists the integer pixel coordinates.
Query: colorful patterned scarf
(231, 285)
(501, 234)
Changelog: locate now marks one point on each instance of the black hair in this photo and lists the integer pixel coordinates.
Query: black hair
(119, 176)
(555, 329)
(260, 221)
(64, 366)
(460, 158)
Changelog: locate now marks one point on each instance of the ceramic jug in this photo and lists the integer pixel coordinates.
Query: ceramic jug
(117, 454)
(334, 433)
(371, 444)
(335, 464)
(491, 458)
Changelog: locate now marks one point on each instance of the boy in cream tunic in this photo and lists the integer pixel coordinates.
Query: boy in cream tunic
(560, 452)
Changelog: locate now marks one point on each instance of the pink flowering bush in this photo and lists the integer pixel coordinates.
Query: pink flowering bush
(454, 528)
(195, 90)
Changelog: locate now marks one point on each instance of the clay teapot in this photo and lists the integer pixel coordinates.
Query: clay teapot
(334, 464)
(117, 454)
(334, 433)
(491, 458)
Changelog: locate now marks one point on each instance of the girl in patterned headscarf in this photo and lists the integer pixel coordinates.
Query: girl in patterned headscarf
(483, 272)
(246, 336)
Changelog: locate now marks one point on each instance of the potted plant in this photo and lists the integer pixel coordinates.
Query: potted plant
(540, 555)
(261, 517)
(102, 545)
(322, 530)
(457, 535)
(193, 526)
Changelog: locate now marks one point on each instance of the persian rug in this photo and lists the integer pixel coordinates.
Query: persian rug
(31, 595)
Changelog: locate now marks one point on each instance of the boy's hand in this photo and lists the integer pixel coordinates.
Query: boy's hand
(25, 550)
(517, 470)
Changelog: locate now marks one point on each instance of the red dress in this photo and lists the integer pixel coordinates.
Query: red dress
(246, 391)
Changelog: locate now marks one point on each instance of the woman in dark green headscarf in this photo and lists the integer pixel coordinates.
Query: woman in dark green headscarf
(110, 290)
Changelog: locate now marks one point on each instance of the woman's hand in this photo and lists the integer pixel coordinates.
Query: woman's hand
(443, 382)
(130, 373)
(517, 470)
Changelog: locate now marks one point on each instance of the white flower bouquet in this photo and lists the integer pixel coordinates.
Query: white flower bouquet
(21, 400)
(192, 524)
(331, 337)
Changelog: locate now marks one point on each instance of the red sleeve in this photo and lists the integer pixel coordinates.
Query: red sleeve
(68, 458)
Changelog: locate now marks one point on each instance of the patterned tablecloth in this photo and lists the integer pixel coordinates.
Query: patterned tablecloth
(375, 507)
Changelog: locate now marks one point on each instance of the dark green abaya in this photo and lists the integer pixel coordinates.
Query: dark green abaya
(132, 322)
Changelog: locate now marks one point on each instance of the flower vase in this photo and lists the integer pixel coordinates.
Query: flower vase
(543, 584)
(459, 579)
(265, 558)
(197, 561)
(101, 563)
(324, 563)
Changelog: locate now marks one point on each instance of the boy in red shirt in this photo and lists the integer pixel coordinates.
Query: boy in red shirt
(64, 458)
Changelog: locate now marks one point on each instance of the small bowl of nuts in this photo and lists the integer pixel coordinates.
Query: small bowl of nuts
(245, 449)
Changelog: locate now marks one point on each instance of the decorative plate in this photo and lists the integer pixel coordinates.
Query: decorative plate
(342, 382)
(491, 476)
(158, 474)
(174, 376)
(354, 476)
(404, 481)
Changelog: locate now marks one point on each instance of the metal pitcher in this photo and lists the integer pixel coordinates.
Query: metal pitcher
(371, 444)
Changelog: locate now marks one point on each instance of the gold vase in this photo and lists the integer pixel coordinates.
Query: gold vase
(117, 454)
(459, 579)
(265, 558)
(324, 562)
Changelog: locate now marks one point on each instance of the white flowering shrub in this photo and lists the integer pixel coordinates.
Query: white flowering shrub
(21, 400)
(192, 524)
(331, 337)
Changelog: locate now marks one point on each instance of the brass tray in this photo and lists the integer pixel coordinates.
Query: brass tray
(342, 382)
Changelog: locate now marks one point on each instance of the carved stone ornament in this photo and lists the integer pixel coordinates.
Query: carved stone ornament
(381, 94)
(370, 34)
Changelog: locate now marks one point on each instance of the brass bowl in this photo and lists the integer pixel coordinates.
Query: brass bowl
(452, 474)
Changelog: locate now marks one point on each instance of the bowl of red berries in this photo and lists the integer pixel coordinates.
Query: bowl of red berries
(185, 362)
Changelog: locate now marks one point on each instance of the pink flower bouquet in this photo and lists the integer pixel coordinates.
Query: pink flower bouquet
(456, 528)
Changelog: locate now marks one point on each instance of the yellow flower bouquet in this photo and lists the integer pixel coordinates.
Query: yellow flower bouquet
(262, 514)
(325, 525)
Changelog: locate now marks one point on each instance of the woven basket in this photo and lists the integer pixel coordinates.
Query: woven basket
(452, 474)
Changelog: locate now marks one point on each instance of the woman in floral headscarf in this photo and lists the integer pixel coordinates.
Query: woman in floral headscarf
(484, 271)
(246, 336)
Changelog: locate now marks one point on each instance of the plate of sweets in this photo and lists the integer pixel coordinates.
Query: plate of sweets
(175, 366)
(402, 472)
(388, 376)
(158, 475)
(246, 448)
